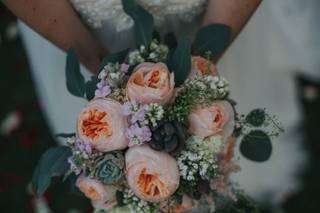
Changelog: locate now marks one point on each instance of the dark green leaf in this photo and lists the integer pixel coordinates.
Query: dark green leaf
(65, 135)
(75, 80)
(114, 58)
(119, 196)
(256, 117)
(91, 87)
(143, 22)
(54, 162)
(72, 179)
(180, 62)
(171, 41)
(156, 35)
(214, 38)
(256, 146)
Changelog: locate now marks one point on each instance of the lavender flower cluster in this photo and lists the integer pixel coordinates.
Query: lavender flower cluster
(139, 117)
(83, 155)
(111, 77)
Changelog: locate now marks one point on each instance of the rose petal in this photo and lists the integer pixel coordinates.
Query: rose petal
(159, 169)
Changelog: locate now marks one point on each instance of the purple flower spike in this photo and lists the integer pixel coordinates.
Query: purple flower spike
(83, 146)
(101, 84)
(139, 116)
(126, 109)
(138, 135)
(73, 166)
(103, 92)
(124, 67)
(102, 74)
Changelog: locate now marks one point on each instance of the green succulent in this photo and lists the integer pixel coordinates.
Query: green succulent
(109, 168)
(169, 136)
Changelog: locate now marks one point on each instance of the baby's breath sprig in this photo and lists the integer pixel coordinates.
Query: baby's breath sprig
(197, 160)
(156, 52)
(195, 92)
(138, 205)
(154, 114)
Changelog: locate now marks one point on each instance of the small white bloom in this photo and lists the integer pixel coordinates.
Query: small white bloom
(215, 78)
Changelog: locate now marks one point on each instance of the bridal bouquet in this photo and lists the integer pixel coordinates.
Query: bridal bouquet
(159, 131)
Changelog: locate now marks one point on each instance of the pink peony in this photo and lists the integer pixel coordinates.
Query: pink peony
(95, 190)
(102, 124)
(215, 119)
(151, 83)
(201, 67)
(152, 175)
(187, 204)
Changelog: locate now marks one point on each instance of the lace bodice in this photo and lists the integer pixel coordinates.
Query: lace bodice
(95, 12)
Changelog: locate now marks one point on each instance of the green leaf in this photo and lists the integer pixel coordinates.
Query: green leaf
(75, 80)
(256, 146)
(119, 197)
(143, 22)
(114, 58)
(256, 117)
(181, 61)
(65, 135)
(72, 179)
(54, 162)
(91, 87)
(156, 35)
(171, 41)
(214, 38)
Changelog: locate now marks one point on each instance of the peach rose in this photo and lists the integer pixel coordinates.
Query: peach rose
(152, 175)
(187, 204)
(151, 83)
(201, 67)
(95, 190)
(215, 119)
(102, 124)
(104, 204)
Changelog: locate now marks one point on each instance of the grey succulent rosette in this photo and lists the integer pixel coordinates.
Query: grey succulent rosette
(109, 168)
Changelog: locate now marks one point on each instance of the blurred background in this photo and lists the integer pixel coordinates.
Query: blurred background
(25, 135)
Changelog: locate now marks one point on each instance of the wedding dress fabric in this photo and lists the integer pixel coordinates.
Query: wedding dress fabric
(114, 27)
(258, 65)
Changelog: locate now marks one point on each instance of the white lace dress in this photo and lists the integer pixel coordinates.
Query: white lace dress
(258, 78)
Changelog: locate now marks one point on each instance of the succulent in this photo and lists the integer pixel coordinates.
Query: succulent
(169, 136)
(109, 167)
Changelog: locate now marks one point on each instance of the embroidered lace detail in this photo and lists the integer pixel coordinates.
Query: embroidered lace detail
(95, 12)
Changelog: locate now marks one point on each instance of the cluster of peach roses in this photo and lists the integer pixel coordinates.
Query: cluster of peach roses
(152, 175)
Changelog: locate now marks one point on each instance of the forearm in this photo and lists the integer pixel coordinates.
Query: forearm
(234, 13)
(57, 22)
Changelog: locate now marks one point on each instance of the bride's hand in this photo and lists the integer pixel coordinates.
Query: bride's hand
(58, 22)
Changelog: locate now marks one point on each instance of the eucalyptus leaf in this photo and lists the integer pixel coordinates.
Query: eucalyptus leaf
(256, 117)
(120, 198)
(75, 80)
(72, 180)
(54, 162)
(156, 35)
(65, 135)
(171, 41)
(214, 38)
(180, 62)
(143, 22)
(114, 58)
(256, 146)
(91, 87)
